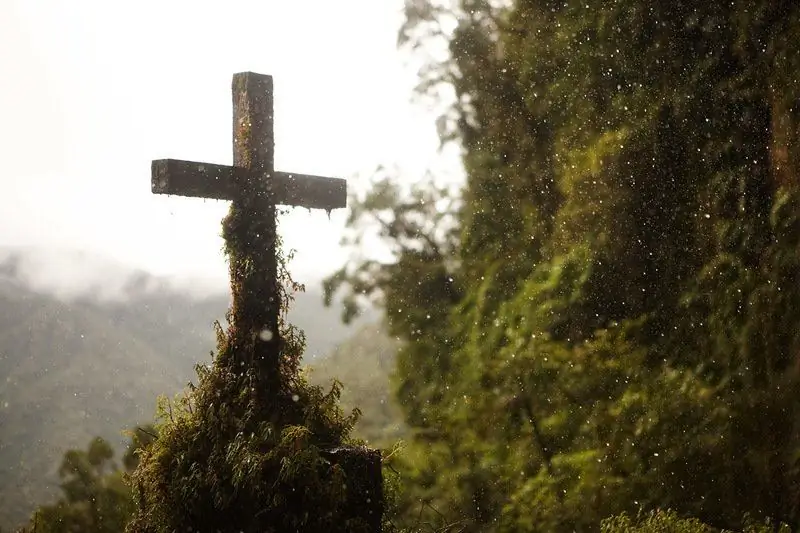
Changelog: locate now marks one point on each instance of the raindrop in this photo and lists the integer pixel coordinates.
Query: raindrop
(295, 398)
(265, 335)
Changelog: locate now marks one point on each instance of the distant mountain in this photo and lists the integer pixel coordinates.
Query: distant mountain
(85, 352)
(68, 373)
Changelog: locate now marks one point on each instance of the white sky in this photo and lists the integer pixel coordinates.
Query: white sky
(92, 91)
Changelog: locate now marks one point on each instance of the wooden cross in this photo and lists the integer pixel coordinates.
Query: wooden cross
(254, 189)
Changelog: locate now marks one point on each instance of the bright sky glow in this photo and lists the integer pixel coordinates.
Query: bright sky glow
(92, 91)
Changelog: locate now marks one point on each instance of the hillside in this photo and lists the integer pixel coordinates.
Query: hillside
(75, 364)
(70, 373)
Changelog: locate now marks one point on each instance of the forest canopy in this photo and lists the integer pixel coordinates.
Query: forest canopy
(605, 319)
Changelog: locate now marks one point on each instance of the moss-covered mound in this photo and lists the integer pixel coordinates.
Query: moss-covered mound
(238, 453)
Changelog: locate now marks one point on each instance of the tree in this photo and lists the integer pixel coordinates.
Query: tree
(96, 497)
(625, 257)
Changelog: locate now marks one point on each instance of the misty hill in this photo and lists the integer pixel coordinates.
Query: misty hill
(90, 359)
(364, 364)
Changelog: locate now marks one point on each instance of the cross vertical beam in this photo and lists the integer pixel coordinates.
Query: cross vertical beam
(251, 223)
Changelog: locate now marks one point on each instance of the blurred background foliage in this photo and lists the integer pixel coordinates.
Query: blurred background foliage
(606, 318)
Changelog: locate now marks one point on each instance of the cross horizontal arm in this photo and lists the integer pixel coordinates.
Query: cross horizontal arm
(206, 180)
(187, 178)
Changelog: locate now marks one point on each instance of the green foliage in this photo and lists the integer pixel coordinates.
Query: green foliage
(232, 456)
(608, 322)
(670, 522)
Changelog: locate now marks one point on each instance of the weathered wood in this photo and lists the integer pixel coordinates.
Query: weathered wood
(189, 178)
(206, 180)
(256, 301)
(255, 189)
(364, 480)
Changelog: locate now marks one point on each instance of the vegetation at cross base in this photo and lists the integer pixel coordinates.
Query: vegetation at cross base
(605, 317)
(96, 491)
(230, 457)
(143, 345)
(95, 496)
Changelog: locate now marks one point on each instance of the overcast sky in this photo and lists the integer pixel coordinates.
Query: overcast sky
(92, 91)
